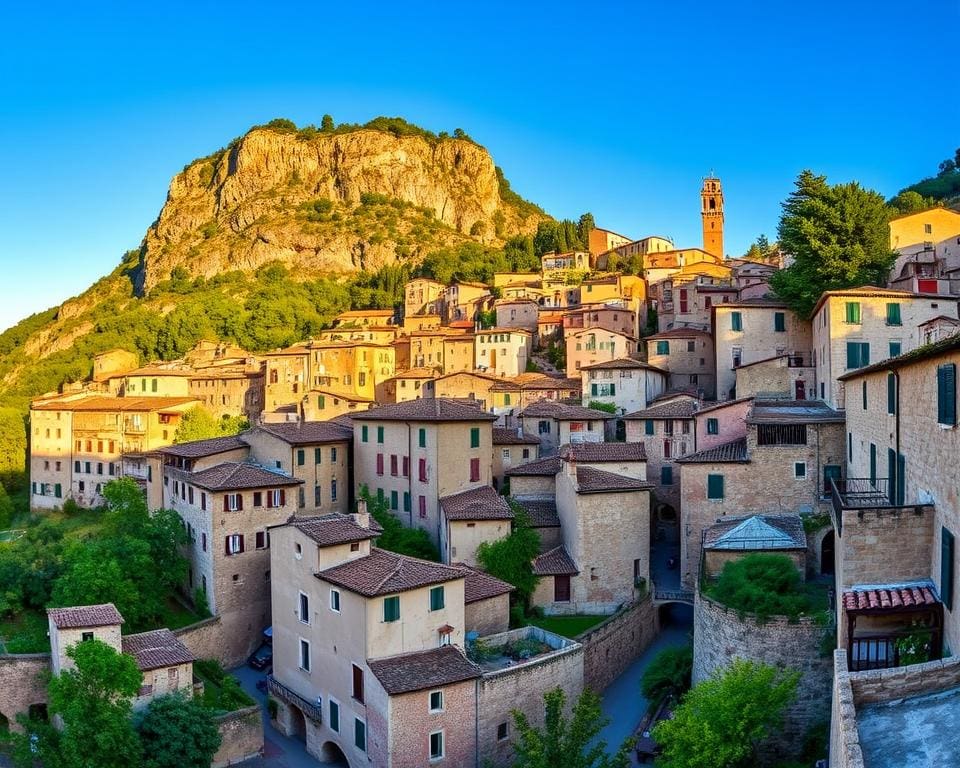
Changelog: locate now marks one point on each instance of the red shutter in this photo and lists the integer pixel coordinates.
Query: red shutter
(283, 497)
(241, 543)
(239, 501)
(226, 502)
(926, 286)
(226, 545)
(406, 466)
(379, 463)
(423, 470)
(474, 470)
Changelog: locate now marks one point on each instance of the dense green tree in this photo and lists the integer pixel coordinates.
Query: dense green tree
(668, 674)
(838, 237)
(199, 424)
(511, 557)
(585, 226)
(721, 722)
(765, 584)
(570, 742)
(326, 124)
(910, 201)
(177, 732)
(397, 537)
(13, 444)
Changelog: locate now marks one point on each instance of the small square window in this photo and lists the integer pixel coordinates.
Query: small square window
(436, 701)
(86, 637)
(502, 732)
(799, 469)
(334, 601)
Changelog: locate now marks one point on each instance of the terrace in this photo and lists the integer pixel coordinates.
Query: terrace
(861, 494)
(516, 647)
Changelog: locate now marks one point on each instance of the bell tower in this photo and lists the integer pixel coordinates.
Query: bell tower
(711, 211)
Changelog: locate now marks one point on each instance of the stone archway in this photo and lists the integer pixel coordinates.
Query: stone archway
(298, 724)
(331, 754)
(828, 553)
(4, 725)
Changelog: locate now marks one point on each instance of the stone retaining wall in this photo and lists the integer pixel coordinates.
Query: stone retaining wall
(23, 681)
(242, 736)
(720, 636)
(613, 645)
(205, 640)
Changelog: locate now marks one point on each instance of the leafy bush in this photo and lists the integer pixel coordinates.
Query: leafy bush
(605, 407)
(762, 584)
(396, 537)
(178, 732)
(510, 558)
(668, 674)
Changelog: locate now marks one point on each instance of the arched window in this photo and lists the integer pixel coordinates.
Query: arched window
(713, 204)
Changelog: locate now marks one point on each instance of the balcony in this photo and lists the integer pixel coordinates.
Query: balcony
(308, 708)
(863, 494)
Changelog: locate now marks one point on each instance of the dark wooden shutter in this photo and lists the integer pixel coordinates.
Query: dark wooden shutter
(947, 394)
(226, 545)
(239, 501)
(226, 501)
(561, 588)
(241, 543)
(891, 393)
(283, 497)
(947, 546)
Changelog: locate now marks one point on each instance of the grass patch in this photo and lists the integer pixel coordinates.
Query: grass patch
(25, 633)
(221, 691)
(567, 626)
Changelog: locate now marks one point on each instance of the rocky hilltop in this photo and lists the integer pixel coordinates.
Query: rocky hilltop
(329, 202)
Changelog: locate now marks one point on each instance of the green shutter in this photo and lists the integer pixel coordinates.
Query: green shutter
(901, 479)
(57, 490)
(436, 598)
(593, 390)
(947, 545)
(391, 608)
(422, 437)
(864, 387)
(891, 393)
(947, 394)
(895, 348)
(648, 427)
(666, 475)
(893, 314)
(380, 435)
(853, 312)
(865, 353)
(892, 475)
(613, 390)
(321, 402)
(394, 500)
(714, 486)
(736, 321)
(713, 427)
(301, 457)
(317, 455)
(873, 464)
(779, 321)
(506, 398)
(663, 347)
(853, 355)
(474, 437)
(406, 501)
(364, 433)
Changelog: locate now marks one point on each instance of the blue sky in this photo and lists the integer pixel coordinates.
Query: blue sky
(615, 108)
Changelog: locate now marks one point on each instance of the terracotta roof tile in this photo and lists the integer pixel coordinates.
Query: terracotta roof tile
(119, 404)
(562, 412)
(332, 529)
(426, 409)
(82, 616)
(681, 408)
(677, 333)
(309, 432)
(200, 448)
(882, 599)
(479, 585)
(603, 452)
(555, 562)
(384, 573)
(481, 503)
(621, 362)
(426, 669)
(505, 436)
(236, 476)
(156, 649)
(734, 452)
(542, 512)
(539, 468)
(592, 480)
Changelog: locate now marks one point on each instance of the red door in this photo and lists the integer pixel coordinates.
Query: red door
(801, 389)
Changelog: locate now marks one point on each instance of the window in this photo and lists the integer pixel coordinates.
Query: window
(779, 322)
(666, 449)
(895, 348)
(305, 655)
(276, 498)
(422, 470)
(301, 457)
(316, 496)
(422, 503)
(297, 551)
(380, 435)
(853, 312)
(406, 466)
(335, 600)
(379, 463)
(436, 701)
(799, 470)
(474, 470)
(233, 502)
(663, 347)
(713, 427)
(257, 499)
(893, 314)
(86, 637)
(736, 321)
(831, 472)
(394, 501)
(666, 475)
(406, 501)
(474, 437)
(691, 346)
(928, 229)
(947, 544)
(334, 716)
(358, 683)
(715, 487)
(561, 588)
(891, 393)
(502, 732)
(303, 609)
(394, 466)
(317, 455)
(436, 598)
(648, 428)
(422, 437)
(436, 745)
(947, 394)
(333, 490)
(234, 544)
(364, 433)
(543, 427)
(360, 734)
(526, 453)
(391, 608)
(333, 455)
(858, 354)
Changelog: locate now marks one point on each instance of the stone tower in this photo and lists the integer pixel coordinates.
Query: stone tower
(711, 211)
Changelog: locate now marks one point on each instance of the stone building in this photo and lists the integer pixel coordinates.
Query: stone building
(625, 383)
(788, 376)
(689, 294)
(322, 405)
(751, 330)
(517, 313)
(503, 351)
(414, 453)
(687, 355)
(711, 213)
(926, 237)
(557, 424)
(470, 518)
(614, 317)
(77, 442)
(409, 385)
(463, 300)
(783, 466)
(511, 448)
(229, 390)
(595, 345)
(856, 327)
(423, 296)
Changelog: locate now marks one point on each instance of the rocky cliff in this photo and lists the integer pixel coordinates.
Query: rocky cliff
(328, 202)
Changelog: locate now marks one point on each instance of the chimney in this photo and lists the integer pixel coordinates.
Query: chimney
(519, 431)
(361, 517)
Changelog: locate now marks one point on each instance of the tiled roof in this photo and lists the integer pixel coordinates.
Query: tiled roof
(562, 412)
(384, 573)
(542, 512)
(620, 362)
(417, 373)
(539, 468)
(555, 562)
(426, 409)
(309, 432)
(793, 411)
(926, 352)
(479, 585)
(237, 476)
(549, 382)
(156, 649)
(757, 301)
(332, 529)
(677, 333)
(426, 669)
(481, 503)
(83, 616)
(889, 599)
(602, 452)
(592, 480)
(119, 404)
(707, 407)
(681, 408)
(734, 452)
(872, 290)
(505, 436)
(756, 532)
(200, 448)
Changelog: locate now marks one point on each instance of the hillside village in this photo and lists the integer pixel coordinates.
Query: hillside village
(651, 428)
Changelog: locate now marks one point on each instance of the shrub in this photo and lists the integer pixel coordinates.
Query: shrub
(668, 674)
(763, 584)
(605, 407)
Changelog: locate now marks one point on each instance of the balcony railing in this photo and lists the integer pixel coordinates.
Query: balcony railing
(883, 651)
(308, 708)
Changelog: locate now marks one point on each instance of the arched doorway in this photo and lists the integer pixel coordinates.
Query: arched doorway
(4, 725)
(828, 553)
(331, 753)
(298, 724)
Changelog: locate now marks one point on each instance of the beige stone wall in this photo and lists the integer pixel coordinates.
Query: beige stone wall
(613, 645)
(579, 353)
(720, 636)
(164, 681)
(51, 458)
(522, 687)
(241, 735)
(204, 639)
(237, 394)
(507, 456)
(412, 722)
(417, 628)
(503, 352)
(775, 378)
(488, 616)
(681, 443)
(61, 640)
(685, 363)
(23, 682)
(533, 487)
(464, 537)
(731, 424)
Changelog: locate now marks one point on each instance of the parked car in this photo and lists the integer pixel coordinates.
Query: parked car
(262, 658)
